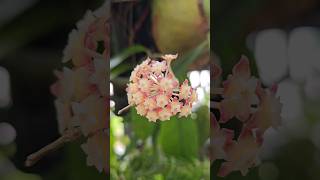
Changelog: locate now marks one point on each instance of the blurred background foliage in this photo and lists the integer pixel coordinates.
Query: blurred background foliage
(174, 149)
(281, 39)
(33, 34)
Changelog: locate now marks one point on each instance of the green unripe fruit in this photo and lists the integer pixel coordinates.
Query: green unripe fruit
(178, 25)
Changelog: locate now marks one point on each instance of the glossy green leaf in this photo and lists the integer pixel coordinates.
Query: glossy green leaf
(203, 124)
(179, 137)
(142, 128)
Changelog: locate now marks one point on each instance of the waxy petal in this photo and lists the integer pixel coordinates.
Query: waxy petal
(242, 68)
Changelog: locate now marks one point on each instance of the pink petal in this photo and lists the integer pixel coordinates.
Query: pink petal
(228, 133)
(260, 91)
(274, 89)
(214, 123)
(216, 71)
(244, 171)
(242, 68)
(55, 89)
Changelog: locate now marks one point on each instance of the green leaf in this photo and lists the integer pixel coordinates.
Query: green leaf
(203, 124)
(114, 121)
(180, 65)
(206, 6)
(179, 137)
(121, 68)
(119, 58)
(142, 128)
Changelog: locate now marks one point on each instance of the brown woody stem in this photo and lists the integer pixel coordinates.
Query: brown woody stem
(69, 135)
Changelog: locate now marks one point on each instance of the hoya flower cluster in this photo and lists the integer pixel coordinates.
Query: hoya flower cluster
(241, 97)
(81, 89)
(156, 93)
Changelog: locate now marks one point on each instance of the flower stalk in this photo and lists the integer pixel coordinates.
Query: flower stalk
(68, 136)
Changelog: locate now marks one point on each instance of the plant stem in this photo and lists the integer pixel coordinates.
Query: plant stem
(69, 135)
(124, 109)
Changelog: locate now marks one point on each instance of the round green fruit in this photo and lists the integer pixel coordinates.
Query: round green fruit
(178, 25)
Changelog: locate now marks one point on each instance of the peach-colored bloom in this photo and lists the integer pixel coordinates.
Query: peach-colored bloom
(81, 89)
(141, 110)
(152, 116)
(150, 103)
(185, 111)
(154, 88)
(144, 85)
(184, 90)
(241, 155)
(258, 109)
(193, 97)
(97, 150)
(162, 100)
(76, 49)
(167, 84)
(175, 106)
(159, 67)
(219, 138)
(138, 97)
(268, 112)
(165, 114)
(99, 76)
(216, 71)
(170, 57)
(91, 114)
(132, 88)
(239, 92)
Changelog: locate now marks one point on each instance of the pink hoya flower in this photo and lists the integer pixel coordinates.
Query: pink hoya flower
(258, 109)
(90, 113)
(81, 90)
(219, 139)
(239, 92)
(268, 113)
(83, 41)
(241, 154)
(99, 76)
(155, 91)
(97, 150)
(215, 70)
